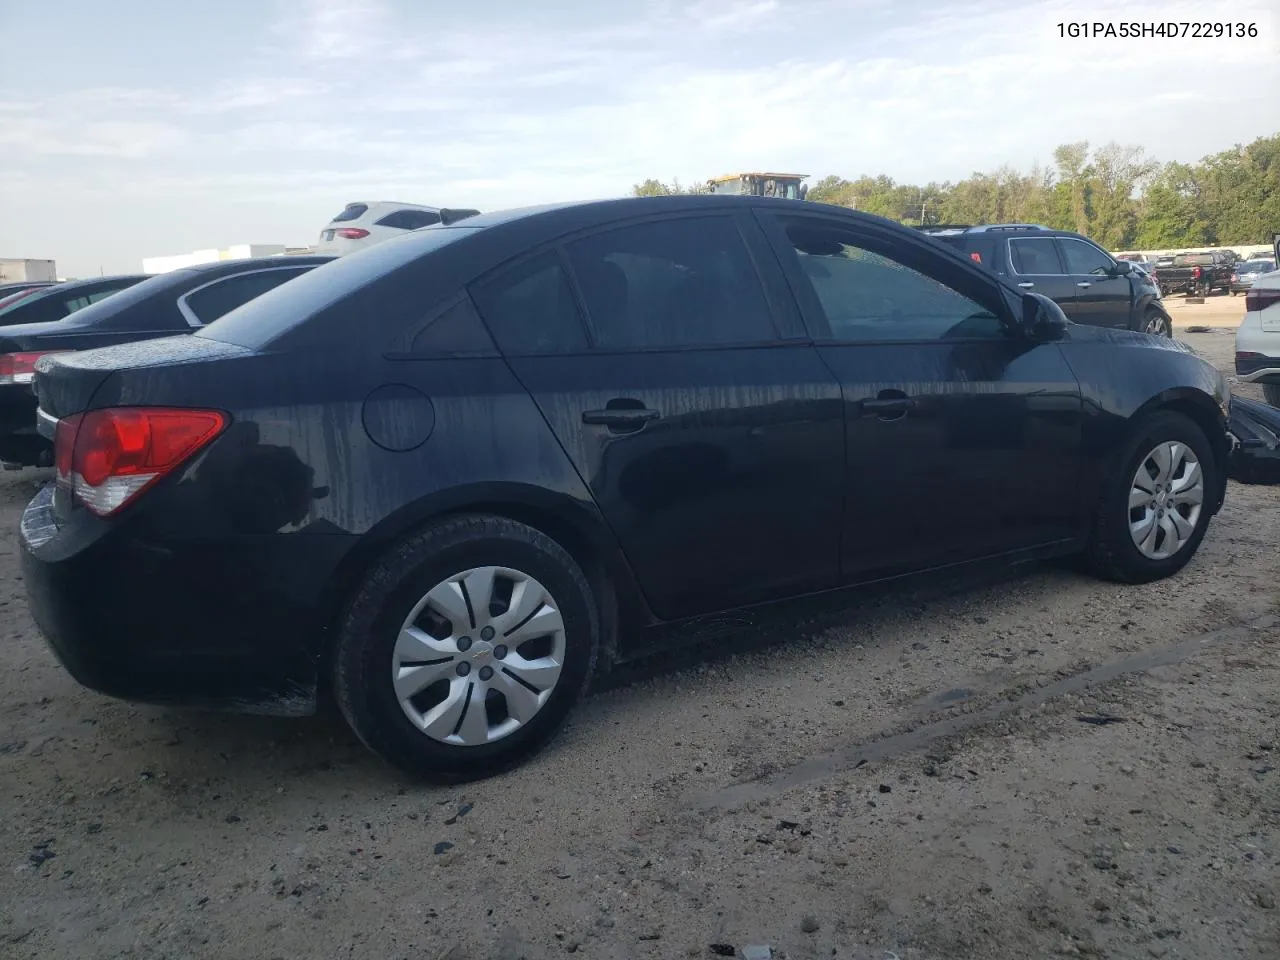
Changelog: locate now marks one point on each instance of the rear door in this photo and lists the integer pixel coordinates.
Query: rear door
(678, 380)
(1037, 266)
(1099, 299)
(963, 438)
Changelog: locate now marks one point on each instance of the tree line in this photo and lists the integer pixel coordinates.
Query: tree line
(1114, 193)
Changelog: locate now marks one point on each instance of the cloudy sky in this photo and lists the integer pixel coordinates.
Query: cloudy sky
(146, 127)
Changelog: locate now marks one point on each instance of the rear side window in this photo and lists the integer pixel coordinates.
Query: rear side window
(352, 211)
(979, 249)
(671, 283)
(409, 219)
(1035, 257)
(530, 308)
(206, 304)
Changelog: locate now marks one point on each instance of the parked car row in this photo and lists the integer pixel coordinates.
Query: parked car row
(1089, 284)
(1198, 274)
(456, 474)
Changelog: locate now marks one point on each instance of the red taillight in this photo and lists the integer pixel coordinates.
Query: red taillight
(1257, 299)
(975, 257)
(352, 233)
(21, 367)
(107, 457)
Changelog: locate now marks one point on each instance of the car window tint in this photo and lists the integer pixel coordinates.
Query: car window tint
(409, 219)
(868, 296)
(671, 283)
(210, 302)
(530, 308)
(352, 211)
(456, 331)
(1084, 257)
(1035, 257)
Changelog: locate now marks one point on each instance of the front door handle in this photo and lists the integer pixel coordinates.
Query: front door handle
(887, 407)
(623, 418)
(1084, 284)
(1026, 285)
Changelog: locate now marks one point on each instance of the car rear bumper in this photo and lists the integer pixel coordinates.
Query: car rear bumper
(212, 624)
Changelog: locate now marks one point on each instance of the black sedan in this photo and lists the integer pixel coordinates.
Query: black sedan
(458, 473)
(46, 302)
(157, 306)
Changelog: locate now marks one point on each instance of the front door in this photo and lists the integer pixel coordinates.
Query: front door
(1100, 299)
(963, 438)
(712, 444)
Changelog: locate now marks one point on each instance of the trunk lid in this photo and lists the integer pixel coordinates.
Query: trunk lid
(65, 383)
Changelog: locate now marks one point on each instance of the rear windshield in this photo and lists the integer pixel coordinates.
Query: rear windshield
(1193, 260)
(353, 211)
(1256, 266)
(268, 317)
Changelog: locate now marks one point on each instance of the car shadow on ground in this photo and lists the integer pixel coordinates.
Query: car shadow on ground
(259, 753)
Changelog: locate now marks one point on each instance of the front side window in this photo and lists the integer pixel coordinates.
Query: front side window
(685, 282)
(1035, 257)
(1085, 258)
(868, 296)
(206, 304)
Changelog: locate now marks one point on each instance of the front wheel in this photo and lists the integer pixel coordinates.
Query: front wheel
(1157, 323)
(1154, 507)
(465, 648)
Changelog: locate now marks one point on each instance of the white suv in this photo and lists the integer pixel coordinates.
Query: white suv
(365, 223)
(1258, 337)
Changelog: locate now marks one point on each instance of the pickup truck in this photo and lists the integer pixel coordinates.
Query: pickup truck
(1198, 274)
(1088, 283)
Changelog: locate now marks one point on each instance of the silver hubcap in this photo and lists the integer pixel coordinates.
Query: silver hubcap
(1165, 499)
(1156, 325)
(478, 656)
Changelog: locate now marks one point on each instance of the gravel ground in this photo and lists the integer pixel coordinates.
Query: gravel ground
(1030, 766)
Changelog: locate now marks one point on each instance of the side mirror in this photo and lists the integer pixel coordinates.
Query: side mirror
(1042, 318)
(1121, 269)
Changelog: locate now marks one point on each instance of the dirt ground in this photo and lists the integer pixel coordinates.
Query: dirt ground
(1016, 768)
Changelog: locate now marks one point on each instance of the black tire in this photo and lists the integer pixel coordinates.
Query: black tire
(368, 630)
(1165, 324)
(1111, 553)
(1272, 392)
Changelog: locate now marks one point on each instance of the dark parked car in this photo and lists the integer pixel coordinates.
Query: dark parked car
(1199, 274)
(1248, 271)
(56, 301)
(456, 474)
(160, 306)
(8, 291)
(1088, 283)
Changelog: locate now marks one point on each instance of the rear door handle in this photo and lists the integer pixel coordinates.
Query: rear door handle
(1026, 285)
(887, 408)
(624, 417)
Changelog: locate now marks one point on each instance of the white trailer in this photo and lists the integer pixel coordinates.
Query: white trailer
(16, 271)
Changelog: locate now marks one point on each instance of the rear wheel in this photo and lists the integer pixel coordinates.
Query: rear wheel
(1272, 392)
(466, 648)
(1154, 507)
